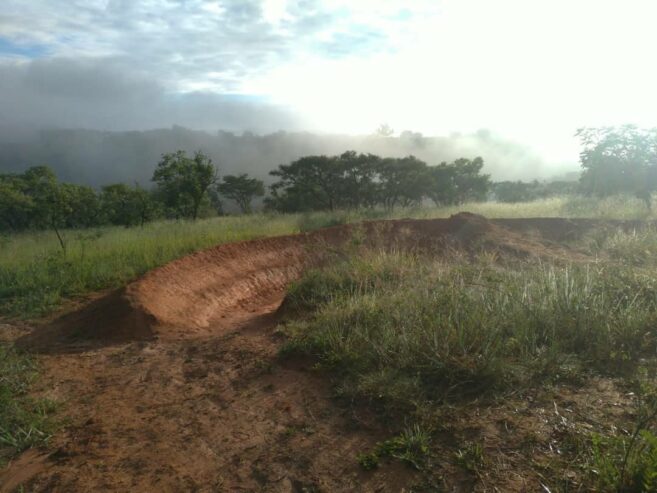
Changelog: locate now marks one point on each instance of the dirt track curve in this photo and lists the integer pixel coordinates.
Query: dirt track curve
(172, 383)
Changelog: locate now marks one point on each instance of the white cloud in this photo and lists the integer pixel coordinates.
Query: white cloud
(530, 69)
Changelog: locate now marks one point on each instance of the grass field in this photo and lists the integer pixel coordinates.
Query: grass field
(415, 337)
(419, 341)
(36, 278)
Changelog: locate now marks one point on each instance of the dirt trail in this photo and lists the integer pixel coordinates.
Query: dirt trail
(172, 383)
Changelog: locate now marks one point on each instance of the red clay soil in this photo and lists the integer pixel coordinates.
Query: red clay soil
(172, 383)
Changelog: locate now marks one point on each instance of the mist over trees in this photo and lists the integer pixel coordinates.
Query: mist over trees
(351, 180)
(520, 191)
(619, 160)
(241, 189)
(184, 186)
(98, 158)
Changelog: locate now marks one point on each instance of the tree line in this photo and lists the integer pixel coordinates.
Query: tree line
(187, 187)
(184, 187)
(614, 160)
(354, 180)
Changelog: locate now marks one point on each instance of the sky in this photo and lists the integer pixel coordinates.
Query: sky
(529, 70)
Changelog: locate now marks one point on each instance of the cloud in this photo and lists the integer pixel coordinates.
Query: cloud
(177, 41)
(105, 94)
(121, 64)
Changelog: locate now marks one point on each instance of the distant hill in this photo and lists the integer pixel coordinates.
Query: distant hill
(99, 157)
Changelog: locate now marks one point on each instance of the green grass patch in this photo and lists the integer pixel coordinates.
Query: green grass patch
(403, 330)
(36, 277)
(24, 422)
(413, 337)
(412, 446)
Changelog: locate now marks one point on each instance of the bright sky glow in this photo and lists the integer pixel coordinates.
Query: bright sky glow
(531, 70)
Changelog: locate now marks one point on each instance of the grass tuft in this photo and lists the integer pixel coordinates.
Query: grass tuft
(398, 329)
(24, 422)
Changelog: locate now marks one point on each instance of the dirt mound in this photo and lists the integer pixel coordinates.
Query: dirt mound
(114, 317)
(213, 290)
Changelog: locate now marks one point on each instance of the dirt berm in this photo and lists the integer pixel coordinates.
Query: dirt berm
(214, 289)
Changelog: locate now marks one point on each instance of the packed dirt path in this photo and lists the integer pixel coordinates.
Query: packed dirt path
(173, 383)
(215, 414)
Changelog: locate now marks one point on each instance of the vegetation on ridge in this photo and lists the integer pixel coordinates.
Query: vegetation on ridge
(413, 337)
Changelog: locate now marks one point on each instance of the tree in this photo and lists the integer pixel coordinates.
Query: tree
(16, 207)
(442, 190)
(359, 174)
(458, 182)
(470, 184)
(402, 181)
(384, 130)
(36, 199)
(84, 204)
(309, 183)
(184, 182)
(619, 160)
(127, 206)
(242, 190)
(54, 202)
(353, 180)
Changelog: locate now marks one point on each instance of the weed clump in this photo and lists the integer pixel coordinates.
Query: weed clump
(402, 331)
(24, 422)
(410, 446)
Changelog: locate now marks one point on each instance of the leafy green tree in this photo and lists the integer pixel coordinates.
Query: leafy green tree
(127, 206)
(458, 182)
(470, 183)
(359, 173)
(16, 207)
(146, 206)
(84, 204)
(309, 183)
(51, 204)
(184, 182)
(442, 189)
(353, 180)
(31, 199)
(619, 160)
(402, 181)
(54, 206)
(242, 190)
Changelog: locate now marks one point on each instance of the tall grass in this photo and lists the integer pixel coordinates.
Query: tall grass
(414, 337)
(402, 330)
(36, 277)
